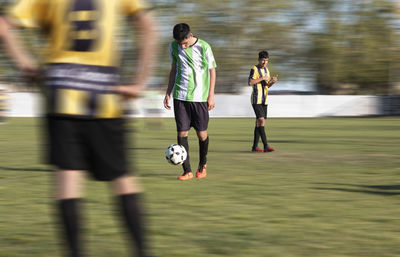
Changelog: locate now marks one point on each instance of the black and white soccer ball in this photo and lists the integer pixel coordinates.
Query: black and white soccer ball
(176, 154)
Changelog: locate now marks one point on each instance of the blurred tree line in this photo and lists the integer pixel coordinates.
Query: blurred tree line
(340, 47)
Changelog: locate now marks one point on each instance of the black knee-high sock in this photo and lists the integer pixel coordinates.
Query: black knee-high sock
(203, 150)
(263, 136)
(131, 212)
(70, 218)
(186, 165)
(256, 137)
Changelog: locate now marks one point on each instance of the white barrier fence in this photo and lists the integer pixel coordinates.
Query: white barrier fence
(30, 105)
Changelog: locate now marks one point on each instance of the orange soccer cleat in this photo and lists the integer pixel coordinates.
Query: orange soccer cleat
(268, 149)
(201, 173)
(186, 176)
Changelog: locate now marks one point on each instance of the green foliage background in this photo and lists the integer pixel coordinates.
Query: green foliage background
(339, 47)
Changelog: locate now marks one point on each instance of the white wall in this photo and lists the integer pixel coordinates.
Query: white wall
(24, 104)
(30, 105)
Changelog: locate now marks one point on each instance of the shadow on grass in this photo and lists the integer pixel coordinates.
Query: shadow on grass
(145, 148)
(159, 175)
(250, 141)
(25, 169)
(286, 141)
(229, 151)
(367, 189)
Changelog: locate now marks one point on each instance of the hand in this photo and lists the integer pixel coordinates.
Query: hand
(166, 102)
(274, 78)
(29, 69)
(266, 78)
(30, 72)
(210, 102)
(129, 91)
(33, 76)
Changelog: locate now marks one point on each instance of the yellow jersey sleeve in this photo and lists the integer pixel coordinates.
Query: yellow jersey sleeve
(29, 13)
(133, 6)
(254, 73)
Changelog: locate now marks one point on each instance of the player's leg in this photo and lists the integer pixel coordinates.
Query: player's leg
(68, 195)
(128, 191)
(261, 128)
(109, 162)
(259, 114)
(182, 119)
(203, 151)
(261, 131)
(66, 153)
(200, 119)
(255, 148)
(69, 184)
(183, 140)
(260, 122)
(203, 147)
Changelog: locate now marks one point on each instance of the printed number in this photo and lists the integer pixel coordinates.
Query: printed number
(84, 32)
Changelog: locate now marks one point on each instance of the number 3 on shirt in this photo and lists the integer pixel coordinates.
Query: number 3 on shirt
(83, 33)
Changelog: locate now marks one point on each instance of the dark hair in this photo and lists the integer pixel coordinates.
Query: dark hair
(263, 54)
(181, 31)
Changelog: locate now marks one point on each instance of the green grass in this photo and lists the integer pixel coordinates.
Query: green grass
(331, 189)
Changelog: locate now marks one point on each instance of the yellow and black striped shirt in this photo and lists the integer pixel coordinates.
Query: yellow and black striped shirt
(260, 90)
(82, 52)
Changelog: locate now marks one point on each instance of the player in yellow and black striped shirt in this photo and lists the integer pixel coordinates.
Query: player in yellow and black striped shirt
(85, 100)
(261, 80)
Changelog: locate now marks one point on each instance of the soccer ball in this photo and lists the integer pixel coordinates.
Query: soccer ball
(176, 154)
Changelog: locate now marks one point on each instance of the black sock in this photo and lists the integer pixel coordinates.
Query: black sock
(203, 150)
(263, 136)
(132, 214)
(256, 138)
(69, 212)
(186, 165)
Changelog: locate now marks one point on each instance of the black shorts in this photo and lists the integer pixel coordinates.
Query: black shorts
(95, 145)
(260, 110)
(191, 114)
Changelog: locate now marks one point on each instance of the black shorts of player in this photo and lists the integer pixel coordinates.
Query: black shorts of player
(191, 114)
(95, 145)
(260, 110)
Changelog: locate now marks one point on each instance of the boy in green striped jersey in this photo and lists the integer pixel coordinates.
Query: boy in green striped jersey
(192, 82)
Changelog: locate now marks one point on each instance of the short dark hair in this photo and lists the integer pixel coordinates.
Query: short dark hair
(181, 31)
(263, 54)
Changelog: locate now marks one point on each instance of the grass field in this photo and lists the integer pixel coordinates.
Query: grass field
(331, 189)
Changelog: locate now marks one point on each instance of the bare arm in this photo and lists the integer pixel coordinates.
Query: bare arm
(211, 94)
(273, 80)
(255, 81)
(171, 83)
(15, 49)
(145, 23)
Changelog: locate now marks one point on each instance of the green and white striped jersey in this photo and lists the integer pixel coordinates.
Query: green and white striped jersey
(192, 81)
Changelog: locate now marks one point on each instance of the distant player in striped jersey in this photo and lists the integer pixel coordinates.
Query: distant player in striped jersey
(192, 81)
(261, 80)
